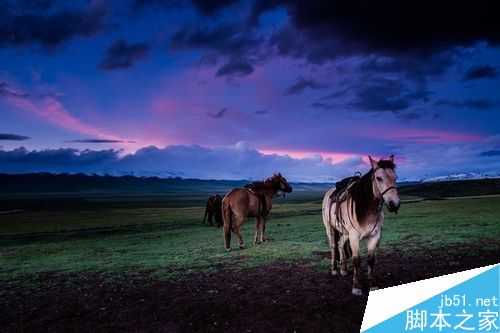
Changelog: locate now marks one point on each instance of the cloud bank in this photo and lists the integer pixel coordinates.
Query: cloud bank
(235, 162)
(243, 162)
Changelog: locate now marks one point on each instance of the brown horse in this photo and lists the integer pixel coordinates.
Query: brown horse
(213, 210)
(255, 200)
(359, 216)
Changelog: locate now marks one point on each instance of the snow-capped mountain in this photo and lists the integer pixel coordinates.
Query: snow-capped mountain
(462, 176)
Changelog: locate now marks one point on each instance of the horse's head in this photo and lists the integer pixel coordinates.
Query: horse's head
(280, 183)
(384, 182)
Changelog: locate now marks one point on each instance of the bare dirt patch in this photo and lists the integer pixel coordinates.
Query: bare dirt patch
(282, 297)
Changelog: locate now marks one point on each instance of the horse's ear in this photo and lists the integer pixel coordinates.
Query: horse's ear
(373, 162)
(392, 158)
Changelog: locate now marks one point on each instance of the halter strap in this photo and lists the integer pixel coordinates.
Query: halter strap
(388, 189)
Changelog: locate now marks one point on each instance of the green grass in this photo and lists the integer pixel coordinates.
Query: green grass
(172, 241)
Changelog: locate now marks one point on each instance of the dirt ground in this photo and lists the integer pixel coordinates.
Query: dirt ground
(283, 297)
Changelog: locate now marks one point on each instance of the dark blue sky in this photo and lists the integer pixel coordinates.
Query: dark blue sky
(235, 89)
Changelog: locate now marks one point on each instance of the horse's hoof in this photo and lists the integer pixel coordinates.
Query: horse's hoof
(343, 272)
(334, 272)
(357, 292)
(228, 249)
(242, 247)
(374, 288)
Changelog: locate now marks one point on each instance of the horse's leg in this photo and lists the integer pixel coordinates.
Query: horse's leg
(329, 234)
(372, 245)
(258, 222)
(210, 218)
(227, 216)
(333, 240)
(263, 237)
(342, 253)
(238, 234)
(356, 262)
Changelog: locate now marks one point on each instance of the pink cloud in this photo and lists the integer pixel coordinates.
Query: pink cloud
(333, 157)
(53, 111)
(430, 136)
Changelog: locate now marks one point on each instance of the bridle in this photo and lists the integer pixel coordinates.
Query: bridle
(338, 212)
(387, 189)
(280, 189)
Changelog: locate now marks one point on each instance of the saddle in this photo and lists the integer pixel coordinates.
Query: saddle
(253, 187)
(342, 188)
(341, 193)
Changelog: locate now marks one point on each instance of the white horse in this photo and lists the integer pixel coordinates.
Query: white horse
(360, 216)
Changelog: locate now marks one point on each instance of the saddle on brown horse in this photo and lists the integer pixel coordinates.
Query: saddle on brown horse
(254, 188)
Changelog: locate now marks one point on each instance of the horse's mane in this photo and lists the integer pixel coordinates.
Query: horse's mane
(386, 164)
(257, 185)
(362, 194)
(362, 191)
(260, 185)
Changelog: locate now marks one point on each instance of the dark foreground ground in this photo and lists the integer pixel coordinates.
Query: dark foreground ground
(285, 297)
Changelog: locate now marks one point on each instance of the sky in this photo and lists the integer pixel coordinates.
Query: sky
(230, 89)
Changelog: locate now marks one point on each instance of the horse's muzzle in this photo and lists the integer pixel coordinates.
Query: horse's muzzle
(393, 208)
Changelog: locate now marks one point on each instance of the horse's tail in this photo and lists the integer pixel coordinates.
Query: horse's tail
(347, 245)
(336, 238)
(218, 215)
(206, 213)
(347, 249)
(228, 222)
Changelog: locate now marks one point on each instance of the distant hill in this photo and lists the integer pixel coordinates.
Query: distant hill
(68, 183)
(81, 183)
(454, 188)
(80, 191)
(48, 183)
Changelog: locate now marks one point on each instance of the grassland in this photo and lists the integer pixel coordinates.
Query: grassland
(168, 242)
(137, 257)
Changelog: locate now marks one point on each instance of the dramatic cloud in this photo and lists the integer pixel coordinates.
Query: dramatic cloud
(490, 153)
(409, 66)
(323, 106)
(23, 26)
(302, 84)
(240, 48)
(210, 7)
(21, 160)
(204, 7)
(99, 141)
(294, 76)
(261, 112)
(385, 95)
(50, 108)
(481, 72)
(122, 55)
(235, 68)
(7, 91)
(441, 159)
(243, 162)
(389, 27)
(13, 137)
(221, 113)
(226, 38)
(409, 116)
(237, 162)
(478, 104)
